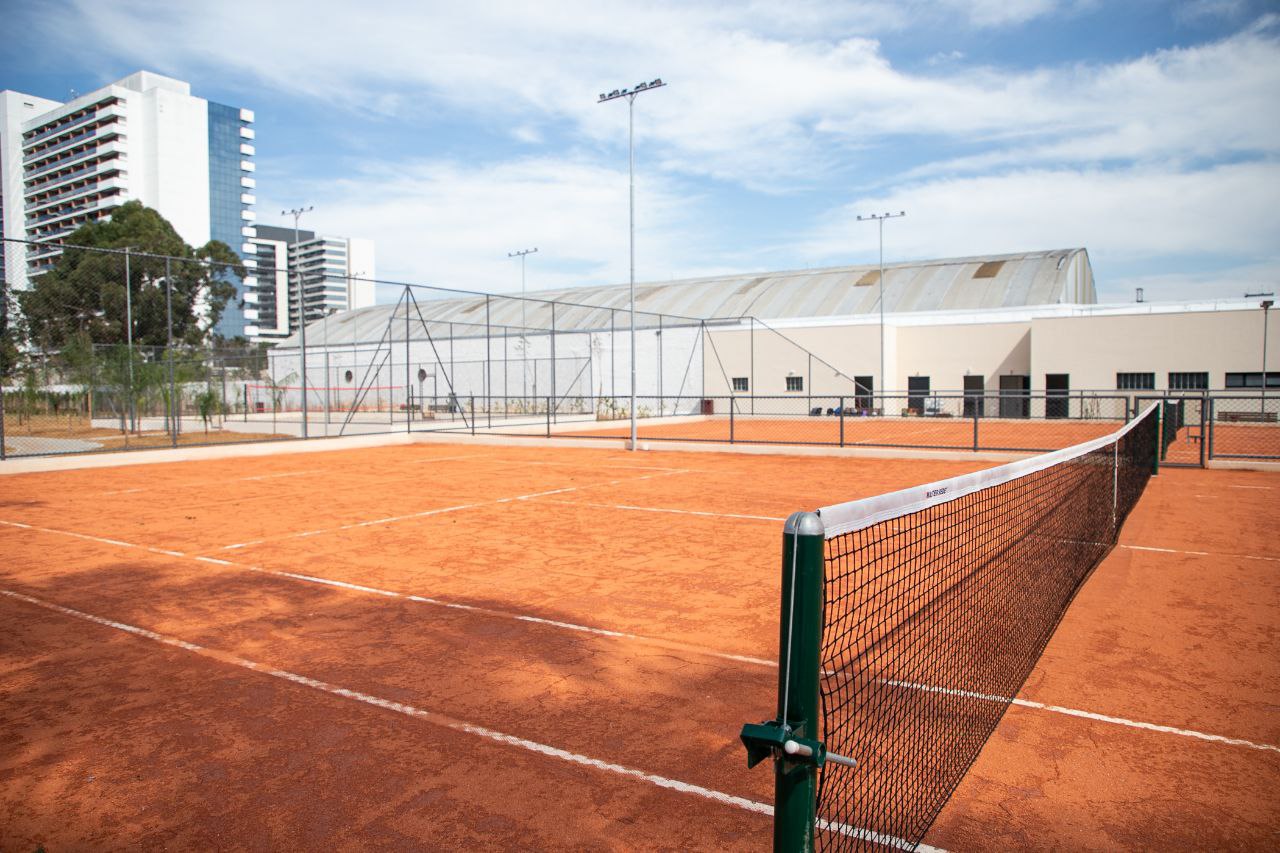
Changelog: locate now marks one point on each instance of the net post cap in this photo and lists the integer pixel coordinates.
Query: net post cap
(804, 524)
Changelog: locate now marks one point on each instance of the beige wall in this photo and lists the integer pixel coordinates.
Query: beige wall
(854, 350)
(1089, 349)
(1093, 349)
(943, 353)
(946, 354)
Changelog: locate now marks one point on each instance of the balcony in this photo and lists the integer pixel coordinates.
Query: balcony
(111, 146)
(101, 199)
(115, 182)
(103, 115)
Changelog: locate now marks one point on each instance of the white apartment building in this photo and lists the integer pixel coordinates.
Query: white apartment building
(337, 275)
(145, 137)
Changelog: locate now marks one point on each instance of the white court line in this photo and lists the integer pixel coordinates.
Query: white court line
(677, 511)
(1200, 553)
(445, 458)
(604, 632)
(1265, 488)
(286, 474)
(447, 509)
(435, 602)
(444, 721)
(522, 463)
(1088, 715)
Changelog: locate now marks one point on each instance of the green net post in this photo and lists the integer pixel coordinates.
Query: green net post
(800, 640)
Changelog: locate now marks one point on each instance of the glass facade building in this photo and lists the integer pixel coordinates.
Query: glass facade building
(226, 204)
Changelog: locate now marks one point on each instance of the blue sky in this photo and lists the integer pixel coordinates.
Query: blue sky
(452, 134)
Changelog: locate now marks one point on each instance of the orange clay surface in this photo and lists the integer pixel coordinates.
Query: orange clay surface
(993, 433)
(384, 648)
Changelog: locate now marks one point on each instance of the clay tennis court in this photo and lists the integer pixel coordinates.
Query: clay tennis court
(942, 432)
(497, 647)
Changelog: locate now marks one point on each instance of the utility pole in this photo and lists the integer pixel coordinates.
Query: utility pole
(630, 95)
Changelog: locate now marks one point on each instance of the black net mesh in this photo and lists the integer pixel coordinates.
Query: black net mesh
(934, 619)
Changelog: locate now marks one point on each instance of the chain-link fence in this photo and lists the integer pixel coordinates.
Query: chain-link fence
(112, 349)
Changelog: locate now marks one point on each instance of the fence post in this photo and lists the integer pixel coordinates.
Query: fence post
(128, 310)
(488, 366)
(842, 421)
(799, 644)
(168, 316)
(1160, 445)
(548, 417)
(1211, 420)
(408, 378)
(732, 406)
(974, 407)
(1203, 427)
(473, 414)
(553, 353)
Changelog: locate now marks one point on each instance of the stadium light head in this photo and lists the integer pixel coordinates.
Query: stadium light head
(1266, 304)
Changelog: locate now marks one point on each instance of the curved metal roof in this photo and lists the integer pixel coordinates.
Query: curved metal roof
(991, 281)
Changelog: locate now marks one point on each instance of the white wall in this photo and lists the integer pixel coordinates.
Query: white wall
(174, 146)
(361, 265)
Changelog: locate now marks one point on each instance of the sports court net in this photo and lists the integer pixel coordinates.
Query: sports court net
(938, 601)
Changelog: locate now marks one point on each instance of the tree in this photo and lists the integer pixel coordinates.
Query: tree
(12, 332)
(84, 295)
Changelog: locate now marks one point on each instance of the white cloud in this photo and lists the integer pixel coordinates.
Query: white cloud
(1162, 157)
(452, 224)
(1123, 218)
(760, 95)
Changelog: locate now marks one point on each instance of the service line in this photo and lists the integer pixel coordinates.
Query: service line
(629, 507)
(438, 719)
(448, 509)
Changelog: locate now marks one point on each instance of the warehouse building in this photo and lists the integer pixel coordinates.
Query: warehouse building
(1006, 325)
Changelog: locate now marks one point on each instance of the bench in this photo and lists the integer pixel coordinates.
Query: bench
(1247, 417)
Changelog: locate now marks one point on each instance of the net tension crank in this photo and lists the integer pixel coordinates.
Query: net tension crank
(772, 739)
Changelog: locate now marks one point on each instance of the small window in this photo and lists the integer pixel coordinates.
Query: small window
(1253, 380)
(795, 383)
(1188, 381)
(1135, 381)
(990, 269)
(740, 383)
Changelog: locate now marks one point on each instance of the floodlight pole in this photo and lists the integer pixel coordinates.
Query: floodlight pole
(524, 341)
(880, 218)
(630, 95)
(296, 213)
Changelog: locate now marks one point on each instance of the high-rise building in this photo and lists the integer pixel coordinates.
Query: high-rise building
(145, 137)
(337, 274)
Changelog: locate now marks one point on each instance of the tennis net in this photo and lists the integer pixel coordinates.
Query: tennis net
(936, 602)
